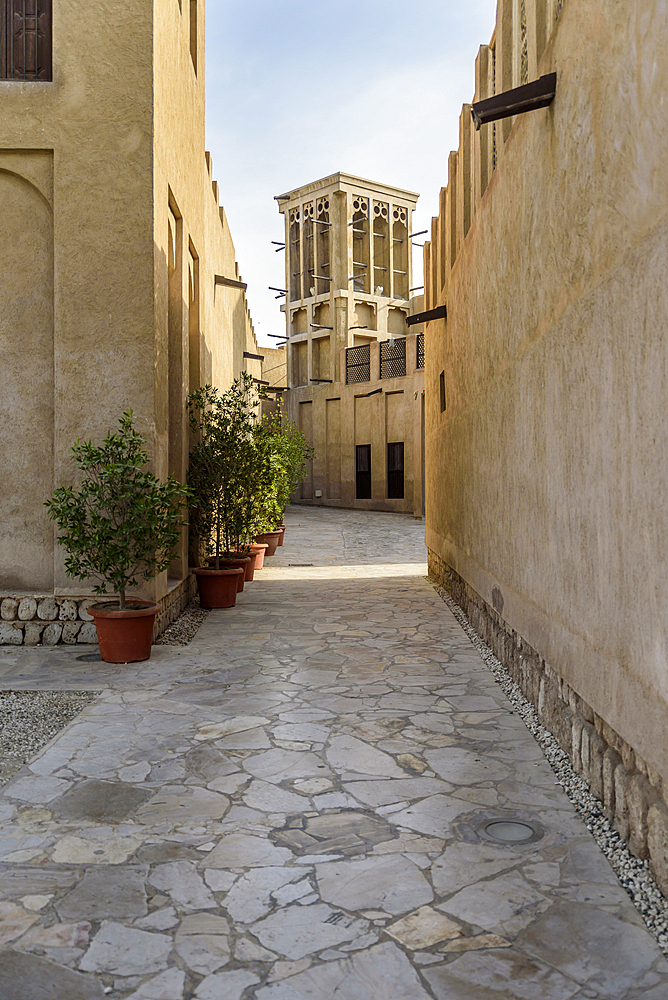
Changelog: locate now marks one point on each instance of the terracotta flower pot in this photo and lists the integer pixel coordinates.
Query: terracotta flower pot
(259, 548)
(248, 561)
(281, 528)
(253, 555)
(271, 538)
(239, 562)
(124, 636)
(243, 559)
(218, 587)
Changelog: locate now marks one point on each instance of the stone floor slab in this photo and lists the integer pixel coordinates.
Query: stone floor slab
(424, 928)
(31, 977)
(593, 947)
(101, 801)
(167, 985)
(116, 893)
(381, 973)
(506, 904)
(499, 975)
(292, 808)
(390, 882)
(126, 951)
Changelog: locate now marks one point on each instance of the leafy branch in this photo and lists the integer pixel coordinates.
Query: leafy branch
(122, 524)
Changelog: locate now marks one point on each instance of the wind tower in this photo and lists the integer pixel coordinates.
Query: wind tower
(348, 270)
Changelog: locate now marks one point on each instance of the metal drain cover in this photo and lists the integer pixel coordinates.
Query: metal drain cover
(508, 831)
(89, 657)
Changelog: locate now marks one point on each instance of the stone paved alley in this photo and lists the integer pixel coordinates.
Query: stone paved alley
(293, 808)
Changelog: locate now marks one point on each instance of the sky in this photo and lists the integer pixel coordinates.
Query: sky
(297, 91)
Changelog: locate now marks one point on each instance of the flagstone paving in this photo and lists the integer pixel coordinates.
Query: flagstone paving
(294, 807)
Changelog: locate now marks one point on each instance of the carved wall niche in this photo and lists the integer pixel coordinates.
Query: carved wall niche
(27, 365)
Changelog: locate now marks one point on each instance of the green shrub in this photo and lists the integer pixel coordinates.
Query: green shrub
(229, 467)
(122, 524)
(290, 453)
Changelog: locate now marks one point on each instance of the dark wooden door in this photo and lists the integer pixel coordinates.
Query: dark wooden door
(395, 470)
(363, 471)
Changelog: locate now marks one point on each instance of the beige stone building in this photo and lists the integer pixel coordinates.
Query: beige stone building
(355, 361)
(118, 281)
(547, 437)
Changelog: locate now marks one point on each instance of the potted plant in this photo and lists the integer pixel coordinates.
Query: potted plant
(290, 452)
(121, 525)
(228, 467)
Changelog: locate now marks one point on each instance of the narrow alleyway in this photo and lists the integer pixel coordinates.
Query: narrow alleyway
(298, 806)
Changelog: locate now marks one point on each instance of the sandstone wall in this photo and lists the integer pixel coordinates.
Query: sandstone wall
(545, 468)
(113, 238)
(76, 191)
(336, 418)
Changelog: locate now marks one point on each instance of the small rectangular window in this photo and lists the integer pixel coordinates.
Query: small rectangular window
(395, 470)
(193, 33)
(442, 389)
(25, 40)
(393, 357)
(363, 471)
(419, 346)
(358, 364)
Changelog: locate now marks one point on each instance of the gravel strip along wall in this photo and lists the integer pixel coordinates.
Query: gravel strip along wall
(30, 719)
(635, 874)
(174, 604)
(50, 621)
(185, 627)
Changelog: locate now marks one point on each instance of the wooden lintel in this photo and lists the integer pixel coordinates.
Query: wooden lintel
(230, 282)
(440, 312)
(531, 96)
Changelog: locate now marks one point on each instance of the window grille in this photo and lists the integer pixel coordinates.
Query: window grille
(359, 275)
(358, 364)
(419, 344)
(25, 40)
(393, 358)
(309, 250)
(294, 256)
(323, 285)
(381, 248)
(400, 252)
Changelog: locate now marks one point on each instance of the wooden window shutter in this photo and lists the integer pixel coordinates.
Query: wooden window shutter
(25, 49)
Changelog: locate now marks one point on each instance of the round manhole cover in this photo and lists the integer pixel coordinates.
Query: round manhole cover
(508, 831)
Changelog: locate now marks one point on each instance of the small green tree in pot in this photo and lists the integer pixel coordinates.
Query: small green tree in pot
(290, 453)
(225, 463)
(227, 467)
(121, 525)
(257, 475)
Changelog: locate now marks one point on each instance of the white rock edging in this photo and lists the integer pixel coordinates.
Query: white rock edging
(633, 874)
